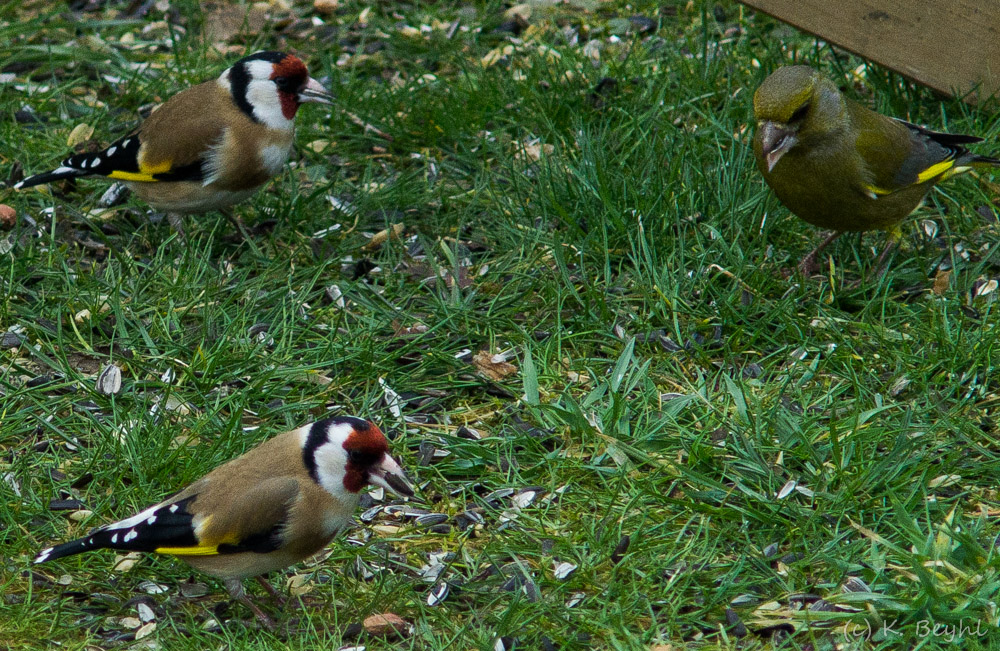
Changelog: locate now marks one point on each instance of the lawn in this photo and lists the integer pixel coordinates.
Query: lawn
(532, 245)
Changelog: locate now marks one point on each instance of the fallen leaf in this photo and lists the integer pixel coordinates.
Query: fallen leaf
(8, 216)
(388, 625)
(492, 366)
(325, 7)
(81, 133)
(941, 282)
(380, 238)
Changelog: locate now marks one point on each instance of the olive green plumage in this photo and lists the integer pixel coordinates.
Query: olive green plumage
(839, 165)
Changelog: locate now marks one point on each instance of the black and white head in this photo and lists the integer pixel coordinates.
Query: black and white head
(270, 87)
(344, 454)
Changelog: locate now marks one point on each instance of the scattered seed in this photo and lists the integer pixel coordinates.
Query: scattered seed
(369, 515)
(425, 453)
(391, 398)
(438, 594)
(191, 590)
(130, 622)
(786, 489)
(113, 196)
(563, 570)
(620, 549)
(744, 600)
(431, 519)
(145, 612)
(524, 500)
(109, 381)
(737, 628)
(464, 432)
(575, 599)
(531, 590)
(854, 584)
(335, 296)
(65, 505)
(11, 480)
(152, 588)
(499, 494)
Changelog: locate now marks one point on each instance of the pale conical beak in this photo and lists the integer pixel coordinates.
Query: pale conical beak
(390, 475)
(315, 92)
(775, 139)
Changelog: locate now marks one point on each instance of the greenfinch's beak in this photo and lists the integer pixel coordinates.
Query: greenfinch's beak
(775, 140)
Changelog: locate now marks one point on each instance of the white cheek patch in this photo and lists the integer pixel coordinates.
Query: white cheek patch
(263, 97)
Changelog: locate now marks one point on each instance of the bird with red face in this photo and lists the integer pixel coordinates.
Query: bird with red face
(209, 146)
(276, 505)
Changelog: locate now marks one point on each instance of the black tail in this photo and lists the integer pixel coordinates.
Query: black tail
(63, 172)
(163, 525)
(96, 540)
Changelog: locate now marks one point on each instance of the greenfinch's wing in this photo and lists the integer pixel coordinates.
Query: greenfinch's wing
(898, 154)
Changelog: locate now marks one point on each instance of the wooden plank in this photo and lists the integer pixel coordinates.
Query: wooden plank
(949, 45)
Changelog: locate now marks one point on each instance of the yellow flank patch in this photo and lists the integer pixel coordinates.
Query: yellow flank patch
(131, 176)
(200, 550)
(934, 170)
(159, 168)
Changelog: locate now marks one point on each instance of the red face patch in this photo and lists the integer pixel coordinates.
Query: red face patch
(365, 448)
(290, 66)
(295, 74)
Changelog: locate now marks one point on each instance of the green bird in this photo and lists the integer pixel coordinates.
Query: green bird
(839, 165)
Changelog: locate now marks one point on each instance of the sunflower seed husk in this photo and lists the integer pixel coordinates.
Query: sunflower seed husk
(109, 381)
(369, 515)
(563, 570)
(854, 584)
(431, 519)
(438, 594)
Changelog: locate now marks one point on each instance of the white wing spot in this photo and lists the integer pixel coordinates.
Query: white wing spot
(126, 142)
(95, 162)
(112, 149)
(151, 519)
(114, 539)
(130, 535)
(173, 508)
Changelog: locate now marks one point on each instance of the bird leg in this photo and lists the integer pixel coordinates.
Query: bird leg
(236, 591)
(892, 238)
(177, 223)
(237, 224)
(808, 266)
(271, 590)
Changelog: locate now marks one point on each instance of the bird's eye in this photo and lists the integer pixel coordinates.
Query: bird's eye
(284, 83)
(361, 458)
(800, 113)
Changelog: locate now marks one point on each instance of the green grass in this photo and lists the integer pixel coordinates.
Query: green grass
(672, 373)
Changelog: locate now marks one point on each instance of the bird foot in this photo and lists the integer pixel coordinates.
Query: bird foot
(271, 590)
(261, 616)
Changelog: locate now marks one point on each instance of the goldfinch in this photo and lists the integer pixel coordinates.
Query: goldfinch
(210, 146)
(276, 505)
(839, 165)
